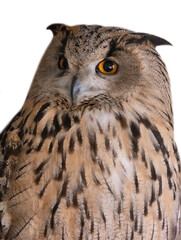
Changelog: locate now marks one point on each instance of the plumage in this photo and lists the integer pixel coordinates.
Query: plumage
(92, 156)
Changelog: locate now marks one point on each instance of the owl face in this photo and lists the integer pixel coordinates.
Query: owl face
(85, 61)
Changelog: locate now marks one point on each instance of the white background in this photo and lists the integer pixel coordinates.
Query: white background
(23, 39)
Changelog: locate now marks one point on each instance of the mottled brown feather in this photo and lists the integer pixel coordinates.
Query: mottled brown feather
(103, 165)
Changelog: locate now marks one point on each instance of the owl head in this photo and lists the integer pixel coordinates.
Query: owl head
(87, 60)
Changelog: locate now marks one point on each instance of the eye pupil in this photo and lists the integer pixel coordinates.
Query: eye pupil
(108, 66)
(63, 63)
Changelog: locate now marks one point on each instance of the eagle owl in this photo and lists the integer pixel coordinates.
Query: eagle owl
(91, 154)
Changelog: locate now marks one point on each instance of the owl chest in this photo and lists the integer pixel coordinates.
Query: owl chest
(93, 202)
(93, 182)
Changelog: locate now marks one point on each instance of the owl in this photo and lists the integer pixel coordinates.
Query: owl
(91, 154)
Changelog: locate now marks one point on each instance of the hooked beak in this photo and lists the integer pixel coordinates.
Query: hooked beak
(75, 89)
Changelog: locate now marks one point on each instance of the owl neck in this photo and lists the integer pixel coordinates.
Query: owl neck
(154, 110)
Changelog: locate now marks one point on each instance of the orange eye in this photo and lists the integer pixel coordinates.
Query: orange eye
(63, 63)
(107, 67)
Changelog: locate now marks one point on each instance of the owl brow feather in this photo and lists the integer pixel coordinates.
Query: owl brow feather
(56, 28)
(115, 44)
(112, 47)
(140, 38)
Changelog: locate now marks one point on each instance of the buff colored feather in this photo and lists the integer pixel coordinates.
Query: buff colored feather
(92, 156)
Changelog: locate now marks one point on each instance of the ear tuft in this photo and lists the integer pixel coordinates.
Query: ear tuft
(56, 28)
(155, 40)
